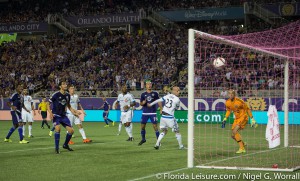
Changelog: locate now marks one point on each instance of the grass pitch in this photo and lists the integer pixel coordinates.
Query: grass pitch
(110, 157)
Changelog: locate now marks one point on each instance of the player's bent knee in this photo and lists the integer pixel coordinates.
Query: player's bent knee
(164, 129)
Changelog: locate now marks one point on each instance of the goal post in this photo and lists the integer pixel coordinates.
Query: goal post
(210, 146)
(191, 48)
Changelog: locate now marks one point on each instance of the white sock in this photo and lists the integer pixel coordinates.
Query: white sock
(82, 133)
(161, 135)
(129, 131)
(178, 137)
(24, 130)
(29, 129)
(120, 127)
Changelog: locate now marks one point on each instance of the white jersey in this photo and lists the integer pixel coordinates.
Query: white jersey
(172, 102)
(28, 102)
(74, 100)
(125, 100)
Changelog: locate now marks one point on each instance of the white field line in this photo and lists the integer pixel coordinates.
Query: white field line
(160, 175)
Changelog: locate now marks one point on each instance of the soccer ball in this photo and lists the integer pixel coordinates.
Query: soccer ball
(219, 62)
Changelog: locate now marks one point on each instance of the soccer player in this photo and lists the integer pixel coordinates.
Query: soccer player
(240, 110)
(75, 104)
(16, 104)
(26, 112)
(106, 108)
(168, 120)
(166, 90)
(149, 96)
(61, 101)
(42, 108)
(127, 103)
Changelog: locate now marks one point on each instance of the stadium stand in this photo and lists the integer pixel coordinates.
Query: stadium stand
(104, 60)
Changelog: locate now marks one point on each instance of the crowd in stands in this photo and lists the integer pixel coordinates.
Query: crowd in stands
(37, 10)
(104, 60)
(95, 61)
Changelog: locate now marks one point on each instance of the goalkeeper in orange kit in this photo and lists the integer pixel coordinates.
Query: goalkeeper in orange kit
(241, 112)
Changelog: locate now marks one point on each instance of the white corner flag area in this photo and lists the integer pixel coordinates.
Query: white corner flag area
(272, 131)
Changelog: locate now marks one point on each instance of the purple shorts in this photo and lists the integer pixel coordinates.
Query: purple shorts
(152, 117)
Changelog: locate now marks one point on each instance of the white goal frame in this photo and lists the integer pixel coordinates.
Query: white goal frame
(191, 74)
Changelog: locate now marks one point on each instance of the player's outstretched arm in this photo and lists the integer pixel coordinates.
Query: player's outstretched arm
(81, 108)
(155, 102)
(50, 111)
(249, 112)
(101, 107)
(226, 116)
(32, 107)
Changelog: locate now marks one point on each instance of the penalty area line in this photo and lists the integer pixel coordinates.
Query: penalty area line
(160, 175)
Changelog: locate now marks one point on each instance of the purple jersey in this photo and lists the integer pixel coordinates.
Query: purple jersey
(149, 97)
(105, 106)
(59, 103)
(16, 100)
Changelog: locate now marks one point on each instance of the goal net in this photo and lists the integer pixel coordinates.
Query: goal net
(264, 70)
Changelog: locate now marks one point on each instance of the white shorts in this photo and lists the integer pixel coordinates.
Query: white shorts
(168, 122)
(26, 116)
(126, 116)
(73, 119)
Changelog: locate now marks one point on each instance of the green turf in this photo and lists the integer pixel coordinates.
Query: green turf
(109, 157)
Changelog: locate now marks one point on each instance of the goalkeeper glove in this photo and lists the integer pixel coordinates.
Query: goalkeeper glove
(224, 122)
(253, 123)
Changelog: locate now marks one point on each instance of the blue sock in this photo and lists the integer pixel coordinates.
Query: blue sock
(20, 130)
(109, 120)
(106, 121)
(56, 139)
(68, 138)
(53, 128)
(157, 134)
(12, 129)
(143, 133)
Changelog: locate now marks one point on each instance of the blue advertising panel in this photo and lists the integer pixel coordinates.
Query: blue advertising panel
(114, 115)
(204, 14)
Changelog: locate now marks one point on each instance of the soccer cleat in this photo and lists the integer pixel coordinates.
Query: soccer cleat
(48, 127)
(42, 127)
(142, 142)
(71, 142)
(130, 139)
(118, 134)
(24, 142)
(67, 147)
(156, 147)
(50, 133)
(87, 140)
(7, 140)
(241, 151)
(106, 126)
(182, 148)
(30, 136)
(57, 151)
(113, 123)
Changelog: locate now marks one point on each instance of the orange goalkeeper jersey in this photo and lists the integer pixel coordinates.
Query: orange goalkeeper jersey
(239, 108)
